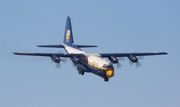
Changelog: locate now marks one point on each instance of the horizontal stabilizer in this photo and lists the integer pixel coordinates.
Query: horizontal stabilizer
(51, 46)
(61, 46)
(86, 46)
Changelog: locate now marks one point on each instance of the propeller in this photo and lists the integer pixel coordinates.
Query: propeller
(118, 65)
(62, 60)
(58, 65)
(138, 64)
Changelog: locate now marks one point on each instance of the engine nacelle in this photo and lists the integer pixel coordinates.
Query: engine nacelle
(55, 58)
(113, 59)
(76, 60)
(133, 58)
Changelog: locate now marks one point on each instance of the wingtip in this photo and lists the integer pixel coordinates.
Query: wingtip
(164, 53)
(42, 45)
(38, 45)
(15, 53)
(161, 53)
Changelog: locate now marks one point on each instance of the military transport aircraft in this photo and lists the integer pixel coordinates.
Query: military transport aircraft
(87, 62)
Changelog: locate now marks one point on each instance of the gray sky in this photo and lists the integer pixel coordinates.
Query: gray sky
(115, 26)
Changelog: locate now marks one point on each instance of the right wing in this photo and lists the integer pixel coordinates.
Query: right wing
(49, 54)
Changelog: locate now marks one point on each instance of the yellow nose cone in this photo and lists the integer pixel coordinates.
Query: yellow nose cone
(109, 73)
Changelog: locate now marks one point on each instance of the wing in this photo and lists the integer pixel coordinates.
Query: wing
(101, 54)
(131, 54)
(49, 54)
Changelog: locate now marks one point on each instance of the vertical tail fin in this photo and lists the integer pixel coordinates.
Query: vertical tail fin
(68, 38)
(68, 35)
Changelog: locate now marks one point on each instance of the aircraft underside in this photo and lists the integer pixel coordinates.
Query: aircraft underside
(84, 67)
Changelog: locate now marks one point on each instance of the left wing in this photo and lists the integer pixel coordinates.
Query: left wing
(49, 54)
(131, 54)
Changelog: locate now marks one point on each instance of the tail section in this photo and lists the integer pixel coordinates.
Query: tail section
(68, 35)
(68, 38)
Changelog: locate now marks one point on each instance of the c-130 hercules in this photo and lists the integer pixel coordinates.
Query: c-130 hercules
(87, 62)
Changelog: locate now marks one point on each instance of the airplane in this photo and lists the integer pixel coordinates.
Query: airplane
(100, 64)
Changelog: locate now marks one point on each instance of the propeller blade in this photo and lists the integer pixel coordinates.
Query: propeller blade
(64, 60)
(58, 65)
(130, 62)
(138, 64)
(118, 65)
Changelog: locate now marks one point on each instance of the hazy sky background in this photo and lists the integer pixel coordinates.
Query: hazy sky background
(113, 25)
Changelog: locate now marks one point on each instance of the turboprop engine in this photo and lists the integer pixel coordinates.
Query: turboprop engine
(133, 59)
(76, 60)
(113, 59)
(55, 58)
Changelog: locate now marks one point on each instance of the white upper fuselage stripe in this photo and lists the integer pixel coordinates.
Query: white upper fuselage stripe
(92, 58)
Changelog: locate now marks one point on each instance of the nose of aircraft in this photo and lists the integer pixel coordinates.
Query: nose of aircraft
(110, 73)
